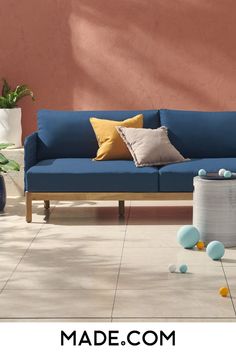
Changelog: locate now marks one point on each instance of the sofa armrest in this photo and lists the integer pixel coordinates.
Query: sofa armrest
(30, 146)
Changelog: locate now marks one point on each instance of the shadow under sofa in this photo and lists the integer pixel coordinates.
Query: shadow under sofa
(59, 161)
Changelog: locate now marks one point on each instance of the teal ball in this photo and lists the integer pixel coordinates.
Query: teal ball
(227, 174)
(188, 236)
(202, 172)
(215, 250)
(183, 268)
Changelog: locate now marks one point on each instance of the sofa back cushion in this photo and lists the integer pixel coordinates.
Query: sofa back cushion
(70, 134)
(201, 134)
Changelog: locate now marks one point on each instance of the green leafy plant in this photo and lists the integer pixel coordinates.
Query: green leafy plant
(5, 164)
(10, 97)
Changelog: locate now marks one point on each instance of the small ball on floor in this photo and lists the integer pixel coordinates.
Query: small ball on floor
(172, 268)
(224, 292)
(183, 268)
(188, 236)
(200, 245)
(215, 250)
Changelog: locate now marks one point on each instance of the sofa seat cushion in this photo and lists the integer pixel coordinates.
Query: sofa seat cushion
(178, 177)
(86, 175)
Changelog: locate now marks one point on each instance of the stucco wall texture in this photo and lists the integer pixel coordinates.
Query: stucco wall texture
(125, 54)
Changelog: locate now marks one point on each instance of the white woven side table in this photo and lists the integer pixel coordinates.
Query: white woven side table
(214, 210)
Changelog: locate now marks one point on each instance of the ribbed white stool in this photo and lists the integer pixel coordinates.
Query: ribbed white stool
(214, 210)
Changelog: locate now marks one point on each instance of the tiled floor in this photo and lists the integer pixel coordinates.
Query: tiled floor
(83, 263)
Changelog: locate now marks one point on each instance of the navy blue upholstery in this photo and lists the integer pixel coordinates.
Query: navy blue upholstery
(58, 156)
(86, 175)
(30, 146)
(178, 177)
(201, 134)
(70, 134)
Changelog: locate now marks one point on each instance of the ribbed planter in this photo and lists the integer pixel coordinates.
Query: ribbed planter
(10, 126)
(2, 193)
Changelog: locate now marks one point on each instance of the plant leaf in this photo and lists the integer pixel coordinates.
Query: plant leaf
(10, 166)
(5, 88)
(5, 145)
(10, 98)
(3, 159)
(21, 88)
(23, 91)
(3, 102)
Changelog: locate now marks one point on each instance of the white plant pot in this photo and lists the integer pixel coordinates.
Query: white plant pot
(10, 126)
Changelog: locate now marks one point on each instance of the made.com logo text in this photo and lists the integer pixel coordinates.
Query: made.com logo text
(114, 338)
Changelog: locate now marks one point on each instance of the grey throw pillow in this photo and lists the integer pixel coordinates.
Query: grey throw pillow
(150, 147)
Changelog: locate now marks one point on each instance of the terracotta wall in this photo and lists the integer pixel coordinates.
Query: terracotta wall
(109, 54)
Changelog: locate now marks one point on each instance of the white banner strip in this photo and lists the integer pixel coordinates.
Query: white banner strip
(57, 338)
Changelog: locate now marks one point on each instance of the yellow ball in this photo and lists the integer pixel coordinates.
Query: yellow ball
(200, 245)
(224, 292)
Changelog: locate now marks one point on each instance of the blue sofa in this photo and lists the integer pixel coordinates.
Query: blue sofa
(59, 161)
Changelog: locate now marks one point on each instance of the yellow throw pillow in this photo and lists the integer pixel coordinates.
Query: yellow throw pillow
(111, 146)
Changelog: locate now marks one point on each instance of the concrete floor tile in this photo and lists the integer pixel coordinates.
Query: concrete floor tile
(229, 259)
(67, 267)
(14, 215)
(61, 258)
(76, 278)
(71, 266)
(8, 263)
(151, 236)
(165, 256)
(52, 236)
(154, 277)
(161, 203)
(173, 319)
(2, 284)
(230, 273)
(17, 240)
(161, 215)
(59, 319)
(56, 304)
(75, 213)
(167, 302)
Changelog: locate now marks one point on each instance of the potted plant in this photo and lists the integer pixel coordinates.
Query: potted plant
(10, 113)
(5, 166)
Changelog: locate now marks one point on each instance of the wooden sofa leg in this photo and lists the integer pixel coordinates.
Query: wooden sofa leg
(28, 204)
(121, 208)
(46, 204)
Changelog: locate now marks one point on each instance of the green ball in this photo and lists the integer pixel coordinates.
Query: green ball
(227, 174)
(183, 268)
(215, 250)
(188, 236)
